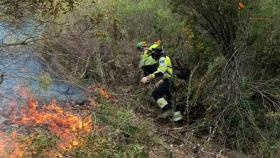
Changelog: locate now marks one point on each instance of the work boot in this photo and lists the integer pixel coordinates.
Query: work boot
(177, 116)
(166, 114)
(179, 123)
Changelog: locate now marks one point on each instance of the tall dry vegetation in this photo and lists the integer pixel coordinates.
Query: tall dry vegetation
(233, 90)
(237, 80)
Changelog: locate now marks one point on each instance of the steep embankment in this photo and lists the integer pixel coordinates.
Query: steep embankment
(168, 139)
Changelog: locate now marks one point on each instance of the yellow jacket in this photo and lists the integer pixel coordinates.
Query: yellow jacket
(164, 69)
(146, 59)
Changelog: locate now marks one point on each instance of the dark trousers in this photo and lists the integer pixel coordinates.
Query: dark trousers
(163, 91)
(147, 70)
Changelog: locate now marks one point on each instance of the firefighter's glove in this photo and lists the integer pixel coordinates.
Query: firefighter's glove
(146, 79)
(159, 83)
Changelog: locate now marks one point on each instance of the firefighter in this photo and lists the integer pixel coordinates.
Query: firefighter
(147, 63)
(161, 93)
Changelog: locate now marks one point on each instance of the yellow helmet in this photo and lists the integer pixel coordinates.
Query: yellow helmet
(158, 42)
(156, 46)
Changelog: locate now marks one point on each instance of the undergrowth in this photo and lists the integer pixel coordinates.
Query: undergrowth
(118, 133)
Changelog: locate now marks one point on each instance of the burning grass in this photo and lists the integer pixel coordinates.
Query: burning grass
(53, 130)
(64, 124)
(9, 147)
(101, 91)
(63, 127)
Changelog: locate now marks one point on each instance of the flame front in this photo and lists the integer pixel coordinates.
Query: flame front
(66, 125)
(103, 92)
(9, 147)
(69, 127)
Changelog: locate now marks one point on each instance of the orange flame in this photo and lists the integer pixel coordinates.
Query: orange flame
(62, 122)
(102, 92)
(9, 147)
(241, 5)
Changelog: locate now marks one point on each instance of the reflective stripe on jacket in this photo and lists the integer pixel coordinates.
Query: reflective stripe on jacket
(165, 67)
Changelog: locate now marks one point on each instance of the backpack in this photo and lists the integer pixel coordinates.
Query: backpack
(180, 70)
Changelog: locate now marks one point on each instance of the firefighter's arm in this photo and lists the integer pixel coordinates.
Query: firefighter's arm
(159, 73)
(161, 68)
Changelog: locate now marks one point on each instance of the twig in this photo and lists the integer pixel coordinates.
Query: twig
(1, 78)
(189, 93)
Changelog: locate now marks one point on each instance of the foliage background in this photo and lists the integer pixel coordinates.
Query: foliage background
(232, 93)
